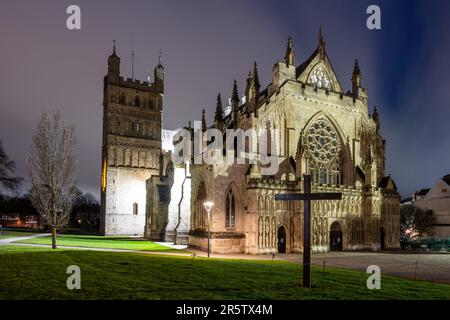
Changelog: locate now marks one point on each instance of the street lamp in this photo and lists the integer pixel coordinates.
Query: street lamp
(208, 206)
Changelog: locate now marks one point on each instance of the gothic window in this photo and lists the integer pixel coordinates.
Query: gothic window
(123, 99)
(135, 126)
(269, 139)
(323, 149)
(230, 210)
(135, 208)
(200, 212)
(320, 79)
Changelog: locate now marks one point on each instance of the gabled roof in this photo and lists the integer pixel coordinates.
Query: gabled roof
(422, 192)
(302, 71)
(406, 200)
(299, 70)
(388, 183)
(446, 179)
(288, 165)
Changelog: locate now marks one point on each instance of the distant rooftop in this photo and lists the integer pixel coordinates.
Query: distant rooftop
(422, 192)
(446, 179)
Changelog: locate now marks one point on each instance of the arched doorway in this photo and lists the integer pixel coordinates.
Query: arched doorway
(382, 237)
(281, 234)
(335, 237)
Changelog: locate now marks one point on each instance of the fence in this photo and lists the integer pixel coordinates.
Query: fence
(433, 244)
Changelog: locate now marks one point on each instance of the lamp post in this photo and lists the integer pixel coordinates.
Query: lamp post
(208, 206)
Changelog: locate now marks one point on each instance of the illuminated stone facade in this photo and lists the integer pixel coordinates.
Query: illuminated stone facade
(143, 193)
(319, 130)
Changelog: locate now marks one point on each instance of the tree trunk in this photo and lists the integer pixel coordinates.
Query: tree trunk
(53, 237)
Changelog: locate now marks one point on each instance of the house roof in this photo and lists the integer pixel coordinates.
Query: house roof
(446, 179)
(406, 200)
(422, 192)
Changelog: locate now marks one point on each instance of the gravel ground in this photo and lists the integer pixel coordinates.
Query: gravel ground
(430, 267)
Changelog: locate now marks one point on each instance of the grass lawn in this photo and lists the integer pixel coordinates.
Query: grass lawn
(102, 242)
(39, 273)
(13, 234)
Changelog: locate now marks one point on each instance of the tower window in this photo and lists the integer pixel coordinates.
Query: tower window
(137, 101)
(123, 99)
(135, 209)
(135, 126)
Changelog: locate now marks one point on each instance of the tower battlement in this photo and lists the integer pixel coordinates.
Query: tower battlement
(139, 85)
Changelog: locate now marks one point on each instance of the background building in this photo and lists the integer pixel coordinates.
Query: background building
(436, 199)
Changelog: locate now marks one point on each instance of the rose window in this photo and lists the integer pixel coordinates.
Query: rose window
(323, 150)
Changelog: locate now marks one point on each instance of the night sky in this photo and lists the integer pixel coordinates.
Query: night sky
(207, 44)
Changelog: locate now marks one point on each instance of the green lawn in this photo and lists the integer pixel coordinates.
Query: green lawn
(13, 234)
(39, 273)
(102, 242)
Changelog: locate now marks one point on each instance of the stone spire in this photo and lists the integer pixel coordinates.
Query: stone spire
(203, 121)
(376, 117)
(159, 74)
(114, 65)
(234, 102)
(252, 90)
(356, 79)
(256, 84)
(234, 93)
(289, 57)
(249, 83)
(218, 117)
(159, 59)
(321, 46)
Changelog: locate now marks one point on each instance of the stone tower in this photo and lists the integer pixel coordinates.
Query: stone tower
(131, 147)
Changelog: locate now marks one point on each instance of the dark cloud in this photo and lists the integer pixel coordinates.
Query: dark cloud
(207, 44)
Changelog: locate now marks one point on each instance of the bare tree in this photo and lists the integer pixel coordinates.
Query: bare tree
(7, 167)
(414, 222)
(51, 168)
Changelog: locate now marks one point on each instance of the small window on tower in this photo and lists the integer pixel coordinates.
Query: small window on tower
(135, 209)
(123, 99)
(137, 101)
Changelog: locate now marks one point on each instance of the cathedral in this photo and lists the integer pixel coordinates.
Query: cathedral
(318, 129)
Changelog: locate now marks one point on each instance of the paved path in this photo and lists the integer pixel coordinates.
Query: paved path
(103, 249)
(9, 240)
(172, 245)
